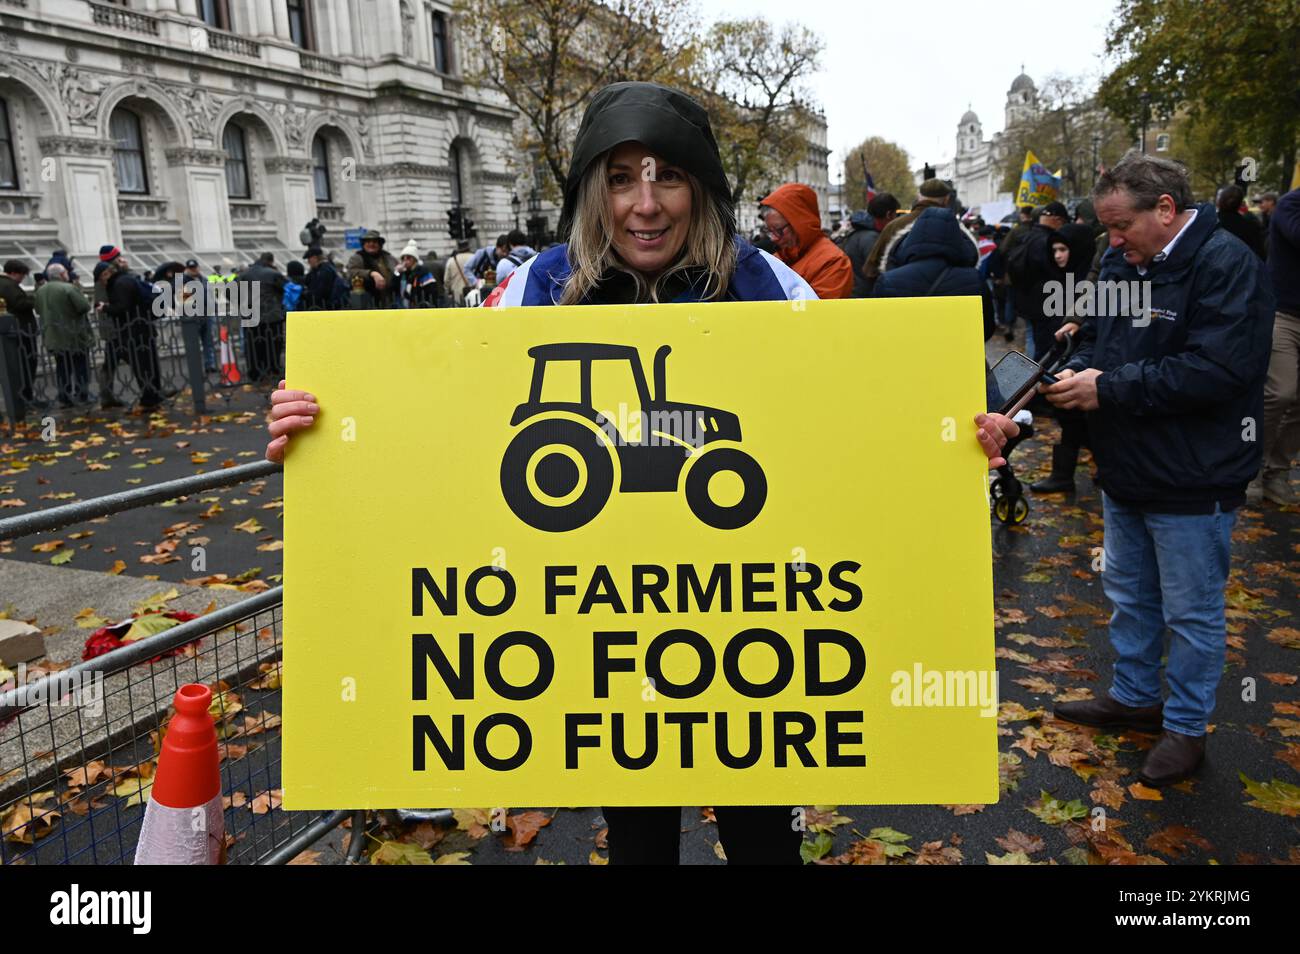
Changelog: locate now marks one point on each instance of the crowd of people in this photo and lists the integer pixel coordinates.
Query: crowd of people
(1162, 395)
(1188, 404)
(56, 316)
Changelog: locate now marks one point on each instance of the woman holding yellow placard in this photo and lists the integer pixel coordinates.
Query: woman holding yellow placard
(650, 217)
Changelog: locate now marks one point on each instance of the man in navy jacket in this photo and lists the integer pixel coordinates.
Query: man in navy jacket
(1173, 383)
(1281, 404)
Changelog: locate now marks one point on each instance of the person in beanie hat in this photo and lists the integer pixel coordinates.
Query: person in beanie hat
(417, 286)
(933, 193)
(649, 217)
(376, 268)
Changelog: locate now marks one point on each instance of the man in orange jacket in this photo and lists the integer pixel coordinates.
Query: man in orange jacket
(794, 222)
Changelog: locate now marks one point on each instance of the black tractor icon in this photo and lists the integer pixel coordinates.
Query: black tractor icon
(560, 468)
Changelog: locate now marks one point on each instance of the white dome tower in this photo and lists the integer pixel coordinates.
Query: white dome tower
(1022, 99)
(970, 134)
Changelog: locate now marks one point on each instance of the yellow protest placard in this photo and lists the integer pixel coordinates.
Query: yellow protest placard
(732, 553)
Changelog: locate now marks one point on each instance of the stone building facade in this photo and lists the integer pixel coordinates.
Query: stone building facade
(219, 128)
(812, 170)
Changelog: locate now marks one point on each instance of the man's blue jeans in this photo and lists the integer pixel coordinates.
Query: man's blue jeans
(1167, 570)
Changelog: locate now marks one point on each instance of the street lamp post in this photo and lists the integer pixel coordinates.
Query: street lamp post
(1146, 106)
(735, 161)
(536, 222)
(839, 202)
(1096, 142)
(514, 207)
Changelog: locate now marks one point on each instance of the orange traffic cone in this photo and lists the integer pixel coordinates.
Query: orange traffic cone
(229, 370)
(184, 823)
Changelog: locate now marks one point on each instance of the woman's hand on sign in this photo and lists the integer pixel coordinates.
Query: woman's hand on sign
(291, 411)
(994, 432)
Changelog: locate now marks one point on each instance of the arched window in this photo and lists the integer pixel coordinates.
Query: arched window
(8, 166)
(320, 168)
(236, 162)
(1162, 142)
(128, 152)
(457, 175)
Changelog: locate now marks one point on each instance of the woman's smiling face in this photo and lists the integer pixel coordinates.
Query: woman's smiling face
(650, 202)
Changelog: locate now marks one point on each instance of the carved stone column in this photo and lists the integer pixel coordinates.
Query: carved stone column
(291, 195)
(198, 180)
(280, 17)
(84, 190)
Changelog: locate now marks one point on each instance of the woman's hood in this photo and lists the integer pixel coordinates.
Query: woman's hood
(667, 121)
(797, 203)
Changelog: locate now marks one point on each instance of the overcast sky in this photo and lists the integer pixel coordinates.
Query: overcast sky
(906, 70)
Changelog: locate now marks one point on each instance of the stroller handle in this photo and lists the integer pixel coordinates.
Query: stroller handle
(1061, 351)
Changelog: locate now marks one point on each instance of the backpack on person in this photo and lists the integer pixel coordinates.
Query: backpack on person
(1017, 260)
(485, 264)
(341, 294)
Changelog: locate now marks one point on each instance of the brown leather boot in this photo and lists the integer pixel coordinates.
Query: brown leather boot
(1172, 759)
(1107, 713)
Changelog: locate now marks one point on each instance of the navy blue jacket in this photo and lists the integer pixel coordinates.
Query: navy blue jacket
(935, 256)
(1284, 252)
(1181, 391)
(857, 246)
(934, 242)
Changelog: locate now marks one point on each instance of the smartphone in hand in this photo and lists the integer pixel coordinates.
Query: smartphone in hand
(1015, 376)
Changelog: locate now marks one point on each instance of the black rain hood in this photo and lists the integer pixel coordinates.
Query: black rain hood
(667, 121)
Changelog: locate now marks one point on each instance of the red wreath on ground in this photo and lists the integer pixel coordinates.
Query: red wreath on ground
(108, 638)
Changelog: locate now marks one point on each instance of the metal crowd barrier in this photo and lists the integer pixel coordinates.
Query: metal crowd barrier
(78, 746)
(168, 353)
(164, 354)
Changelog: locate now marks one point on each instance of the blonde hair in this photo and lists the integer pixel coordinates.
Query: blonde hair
(709, 242)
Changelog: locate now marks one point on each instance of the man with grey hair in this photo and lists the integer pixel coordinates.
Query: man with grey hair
(1174, 393)
(65, 325)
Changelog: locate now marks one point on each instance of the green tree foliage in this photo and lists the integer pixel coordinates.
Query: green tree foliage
(1232, 65)
(890, 168)
(751, 77)
(548, 57)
